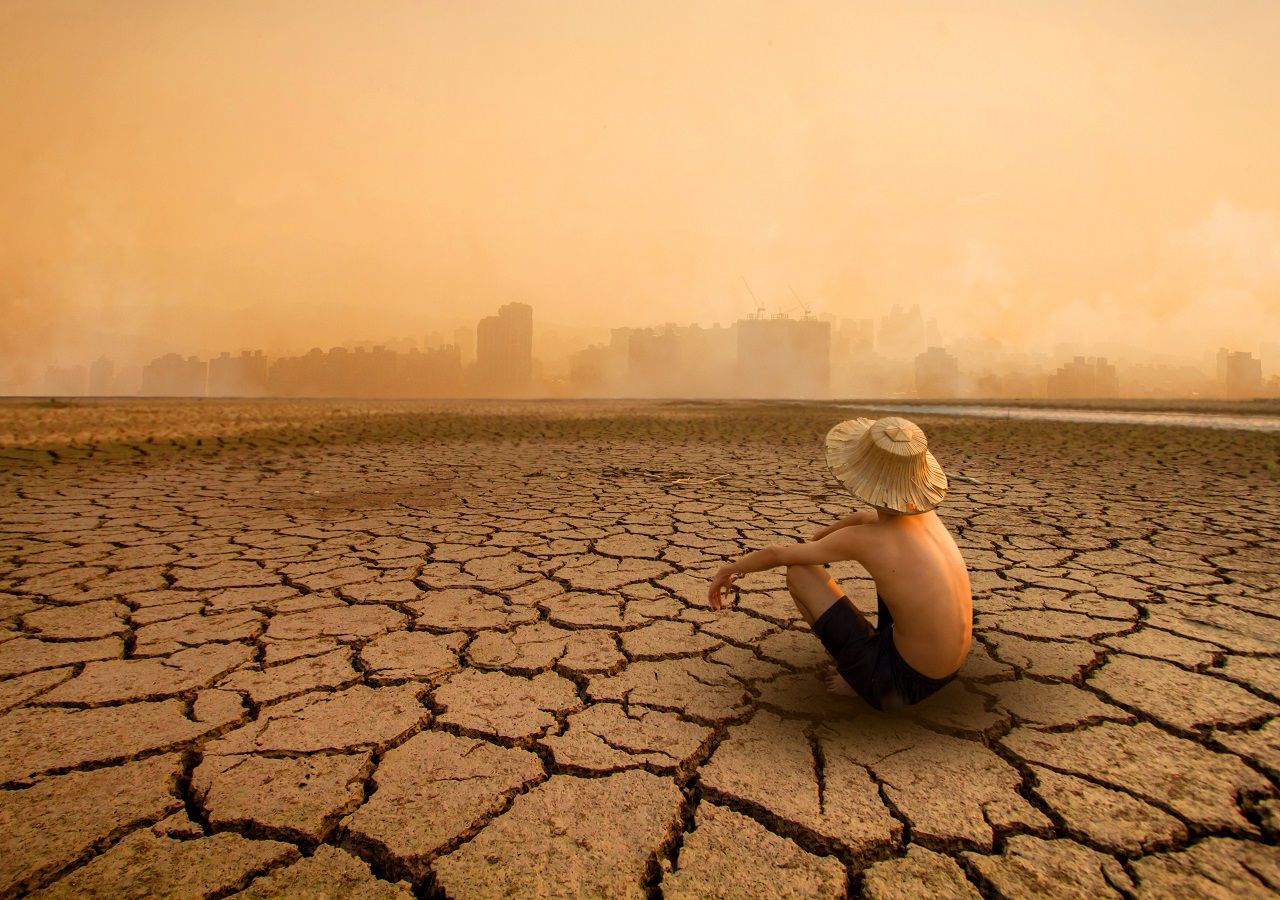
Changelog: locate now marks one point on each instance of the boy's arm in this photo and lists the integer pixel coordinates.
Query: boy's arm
(861, 517)
(847, 543)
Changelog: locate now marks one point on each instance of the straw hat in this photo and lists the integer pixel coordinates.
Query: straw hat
(886, 463)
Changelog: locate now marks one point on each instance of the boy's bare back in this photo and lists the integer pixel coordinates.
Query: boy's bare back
(921, 577)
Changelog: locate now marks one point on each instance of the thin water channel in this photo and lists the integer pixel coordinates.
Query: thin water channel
(1102, 416)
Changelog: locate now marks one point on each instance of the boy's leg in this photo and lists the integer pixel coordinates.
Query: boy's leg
(843, 630)
(813, 590)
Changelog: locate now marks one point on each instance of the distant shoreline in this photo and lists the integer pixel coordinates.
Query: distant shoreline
(1175, 418)
(1261, 407)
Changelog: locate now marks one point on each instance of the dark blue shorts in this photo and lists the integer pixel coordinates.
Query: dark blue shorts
(867, 658)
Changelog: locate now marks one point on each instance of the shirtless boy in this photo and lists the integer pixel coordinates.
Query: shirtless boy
(924, 624)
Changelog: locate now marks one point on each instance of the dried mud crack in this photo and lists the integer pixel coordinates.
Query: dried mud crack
(464, 650)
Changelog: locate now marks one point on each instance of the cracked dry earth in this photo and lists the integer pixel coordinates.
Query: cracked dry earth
(383, 650)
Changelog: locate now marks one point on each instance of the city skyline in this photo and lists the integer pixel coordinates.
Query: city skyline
(761, 355)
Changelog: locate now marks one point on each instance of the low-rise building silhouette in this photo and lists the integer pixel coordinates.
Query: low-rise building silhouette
(1026, 384)
(1084, 379)
(599, 370)
(1165, 381)
(376, 372)
(65, 381)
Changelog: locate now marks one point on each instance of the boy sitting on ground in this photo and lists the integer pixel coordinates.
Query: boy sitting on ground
(925, 606)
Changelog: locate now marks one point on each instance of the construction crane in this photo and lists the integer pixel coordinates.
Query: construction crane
(799, 304)
(808, 313)
(759, 313)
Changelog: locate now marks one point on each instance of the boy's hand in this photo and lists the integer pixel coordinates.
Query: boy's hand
(720, 583)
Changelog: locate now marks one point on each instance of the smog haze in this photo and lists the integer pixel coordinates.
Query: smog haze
(200, 177)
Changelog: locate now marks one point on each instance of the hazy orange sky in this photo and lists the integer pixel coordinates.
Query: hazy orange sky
(259, 173)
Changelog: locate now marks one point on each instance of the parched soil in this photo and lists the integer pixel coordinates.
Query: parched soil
(394, 649)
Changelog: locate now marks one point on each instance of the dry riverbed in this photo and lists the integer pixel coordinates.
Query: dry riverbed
(464, 649)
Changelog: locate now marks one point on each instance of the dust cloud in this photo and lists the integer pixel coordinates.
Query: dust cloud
(194, 177)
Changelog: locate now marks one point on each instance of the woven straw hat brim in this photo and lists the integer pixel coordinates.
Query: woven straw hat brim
(905, 482)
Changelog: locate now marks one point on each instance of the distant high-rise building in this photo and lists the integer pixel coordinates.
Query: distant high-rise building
(655, 362)
(855, 368)
(853, 338)
(238, 376)
(937, 374)
(504, 351)
(1239, 374)
(903, 333)
(172, 376)
(782, 357)
(436, 372)
(593, 371)
(102, 377)
(679, 360)
(1084, 379)
(602, 370)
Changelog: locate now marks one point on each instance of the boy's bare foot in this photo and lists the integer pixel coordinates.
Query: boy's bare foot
(837, 685)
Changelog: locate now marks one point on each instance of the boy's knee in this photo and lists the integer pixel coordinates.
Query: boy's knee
(795, 575)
